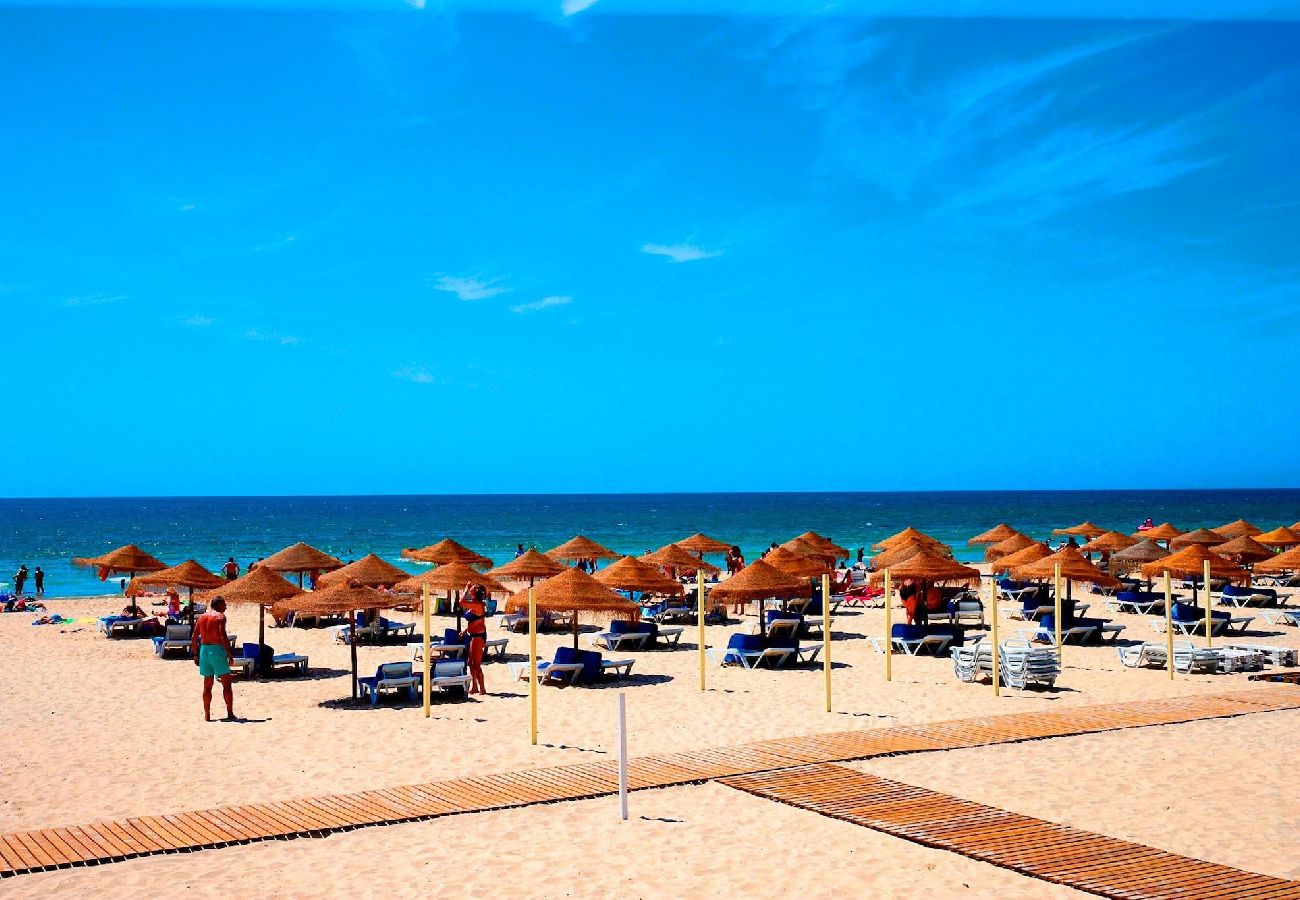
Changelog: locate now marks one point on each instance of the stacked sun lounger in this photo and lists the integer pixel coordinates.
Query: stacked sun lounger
(1019, 663)
(1188, 658)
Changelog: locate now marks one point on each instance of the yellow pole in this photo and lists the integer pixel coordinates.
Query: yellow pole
(1057, 589)
(1169, 625)
(826, 636)
(1209, 637)
(997, 675)
(889, 632)
(427, 686)
(699, 618)
(532, 666)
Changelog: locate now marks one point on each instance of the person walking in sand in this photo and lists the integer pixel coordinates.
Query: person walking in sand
(474, 602)
(39, 578)
(213, 655)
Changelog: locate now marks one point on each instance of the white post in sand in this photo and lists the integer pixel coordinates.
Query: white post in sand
(425, 663)
(889, 631)
(1060, 649)
(1209, 636)
(622, 756)
(997, 674)
(532, 666)
(699, 618)
(826, 636)
(1169, 625)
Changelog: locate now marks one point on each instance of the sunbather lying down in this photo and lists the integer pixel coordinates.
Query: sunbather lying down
(55, 619)
(18, 604)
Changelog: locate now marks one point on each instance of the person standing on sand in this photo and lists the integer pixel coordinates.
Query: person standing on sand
(474, 603)
(20, 579)
(213, 655)
(230, 569)
(40, 582)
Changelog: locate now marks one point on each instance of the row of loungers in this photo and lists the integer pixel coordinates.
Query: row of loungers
(1189, 659)
(449, 676)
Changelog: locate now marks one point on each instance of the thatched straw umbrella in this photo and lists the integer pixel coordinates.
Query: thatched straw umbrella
(758, 581)
(574, 591)
(897, 554)
(1203, 536)
(1283, 562)
(126, 560)
(447, 551)
(632, 574)
(299, 559)
(1190, 563)
(907, 534)
(188, 574)
(336, 599)
(701, 544)
(531, 565)
(370, 570)
(999, 532)
(1083, 529)
(1110, 542)
(1239, 528)
(582, 547)
(1243, 550)
(453, 576)
(796, 564)
(1022, 557)
(1074, 567)
(261, 586)
(803, 547)
(1008, 546)
(675, 558)
(1166, 531)
(1295, 527)
(928, 568)
(824, 544)
(1279, 537)
(1131, 558)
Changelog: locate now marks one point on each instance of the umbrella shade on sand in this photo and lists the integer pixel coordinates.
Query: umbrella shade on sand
(1083, 529)
(1190, 562)
(299, 559)
(1022, 557)
(581, 547)
(574, 591)
(1239, 528)
(797, 564)
(529, 567)
(261, 586)
(1243, 550)
(1283, 562)
(447, 551)
(673, 557)
(1110, 542)
(702, 543)
(1074, 567)
(907, 534)
(337, 599)
(126, 560)
(1007, 547)
(1279, 537)
(1203, 536)
(370, 570)
(632, 574)
(999, 532)
(1166, 531)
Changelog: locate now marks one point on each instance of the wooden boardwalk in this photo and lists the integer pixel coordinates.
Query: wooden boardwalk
(1058, 853)
(102, 842)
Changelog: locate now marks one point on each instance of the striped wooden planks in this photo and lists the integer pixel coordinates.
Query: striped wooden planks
(102, 842)
(1053, 852)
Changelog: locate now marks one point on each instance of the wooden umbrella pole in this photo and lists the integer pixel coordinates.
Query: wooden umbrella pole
(889, 632)
(699, 618)
(997, 674)
(826, 636)
(1209, 619)
(1057, 595)
(1169, 625)
(532, 667)
(427, 687)
(352, 642)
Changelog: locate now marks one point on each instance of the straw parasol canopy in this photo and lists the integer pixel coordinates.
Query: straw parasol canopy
(1239, 528)
(797, 564)
(632, 574)
(1203, 536)
(908, 533)
(999, 532)
(896, 555)
(758, 581)
(1074, 567)
(447, 551)
(452, 576)
(1279, 537)
(702, 543)
(1133, 557)
(124, 560)
(802, 547)
(336, 599)
(581, 547)
(1295, 527)
(188, 574)
(369, 570)
(1110, 542)
(1189, 563)
(574, 591)
(673, 556)
(823, 543)
(1164, 532)
(301, 558)
(262, 586)
(1283, 562)
(1083, 529)
(931, 568)
(1022, 557)
(1007, 547)
(530, 565)
(1243, 549)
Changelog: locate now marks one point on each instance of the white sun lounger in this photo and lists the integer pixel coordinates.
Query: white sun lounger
(450, 675)
(619, 668)
(1282, 616)
(632, 640)
(752, 659)
(913, 646)
(1278, 656)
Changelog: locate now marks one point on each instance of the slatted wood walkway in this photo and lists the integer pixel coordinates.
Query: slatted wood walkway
(102, 842)
(1053, 852)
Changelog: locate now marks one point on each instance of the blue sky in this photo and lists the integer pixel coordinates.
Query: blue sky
(384, 248)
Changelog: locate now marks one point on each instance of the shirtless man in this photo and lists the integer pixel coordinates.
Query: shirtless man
(213, 655)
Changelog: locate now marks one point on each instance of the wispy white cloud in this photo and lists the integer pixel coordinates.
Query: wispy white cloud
(199, 321)
(284, 340)
(416, 374)
(680, 253)
(469, 287)
(188, 207)
(544, 303)
(573, 7)
(93, 299)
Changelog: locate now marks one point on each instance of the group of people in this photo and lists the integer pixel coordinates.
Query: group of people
(20, 581)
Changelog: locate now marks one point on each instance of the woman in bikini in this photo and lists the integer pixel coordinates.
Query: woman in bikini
(474, 602)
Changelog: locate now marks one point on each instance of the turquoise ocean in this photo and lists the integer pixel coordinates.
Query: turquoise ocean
(49, 532)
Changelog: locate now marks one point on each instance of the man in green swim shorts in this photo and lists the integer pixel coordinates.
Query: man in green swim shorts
(213, 654)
